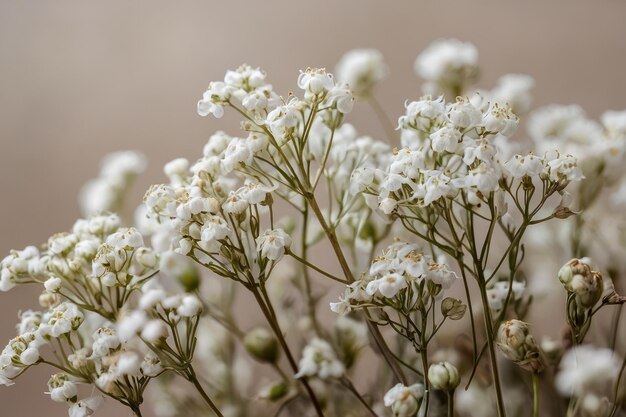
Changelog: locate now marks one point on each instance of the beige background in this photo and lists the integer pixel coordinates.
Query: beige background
(82, 78)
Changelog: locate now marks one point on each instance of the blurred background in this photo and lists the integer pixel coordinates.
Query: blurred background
(79, 79)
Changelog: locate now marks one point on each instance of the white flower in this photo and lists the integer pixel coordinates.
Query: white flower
(500, 119)
(63, 319)
(552, 121)
(319, 359)
(213, 99)
(437, 185)
(404, 401)
(315, 81)
(500, 291)
(528, 165)
(125, 238)
(388, 286)
(151, 297)
(362, 69)
(463, 114)
(238, 152)
(234, 204)
(446, 139)
(441, 275)
(15, 266)
(448, 63)
(176, 169)
(53, 284)
(151, 365)
(564, 168)
(86, 407)
(515, 91)
(104, 341)
(285, 116)
(61, 388)
(154, 330)
(614, 122)
(190, 306)
(106, 192)
(254, 192)
(388, 205)
(342, 97)
(217, 143)
(215, 228)
(586, 367)
(424, 114)
(29, 321)
(131, 324)
(30, 356)
(128, 363)
(272, 243)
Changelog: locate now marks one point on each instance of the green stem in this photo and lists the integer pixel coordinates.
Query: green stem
(535, 379)
(348, 384)
(266, 306)
(450, 395)
(191, 377)
(374, 330)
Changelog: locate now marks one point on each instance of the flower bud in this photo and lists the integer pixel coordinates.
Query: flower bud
(517, 344)
(189, 278)
(571, 269)
(262, 345)
(588, 289)
(443, 376)
(274, 391)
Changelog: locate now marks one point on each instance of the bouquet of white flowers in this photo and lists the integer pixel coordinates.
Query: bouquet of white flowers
(435, 246)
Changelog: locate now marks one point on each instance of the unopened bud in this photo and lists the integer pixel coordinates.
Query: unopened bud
(571, 269)
(262, 345)
(518, 345)
(274, 391)
(588, 289)
(189, 278)
(443, 376)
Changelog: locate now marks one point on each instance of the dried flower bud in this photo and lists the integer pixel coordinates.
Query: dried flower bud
(517, 344)
(443, 376)
(262, 345)
(588, 289)
(571, 269)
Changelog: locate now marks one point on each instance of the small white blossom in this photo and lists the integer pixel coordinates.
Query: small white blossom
(404, 401)
(272, 243)
(190, 306)
(584, 367)
(388, 286)
(319, 359)
(362, 69)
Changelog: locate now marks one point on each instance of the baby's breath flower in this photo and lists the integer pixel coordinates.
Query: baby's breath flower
(61, 388)
(361, 69)
(272, 244)
(404, 401)
(319, 359)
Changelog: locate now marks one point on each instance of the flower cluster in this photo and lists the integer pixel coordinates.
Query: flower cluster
(459, 205)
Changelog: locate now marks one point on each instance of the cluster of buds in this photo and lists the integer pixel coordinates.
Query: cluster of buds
(517, 344)
(578, 279)
(584, 289)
